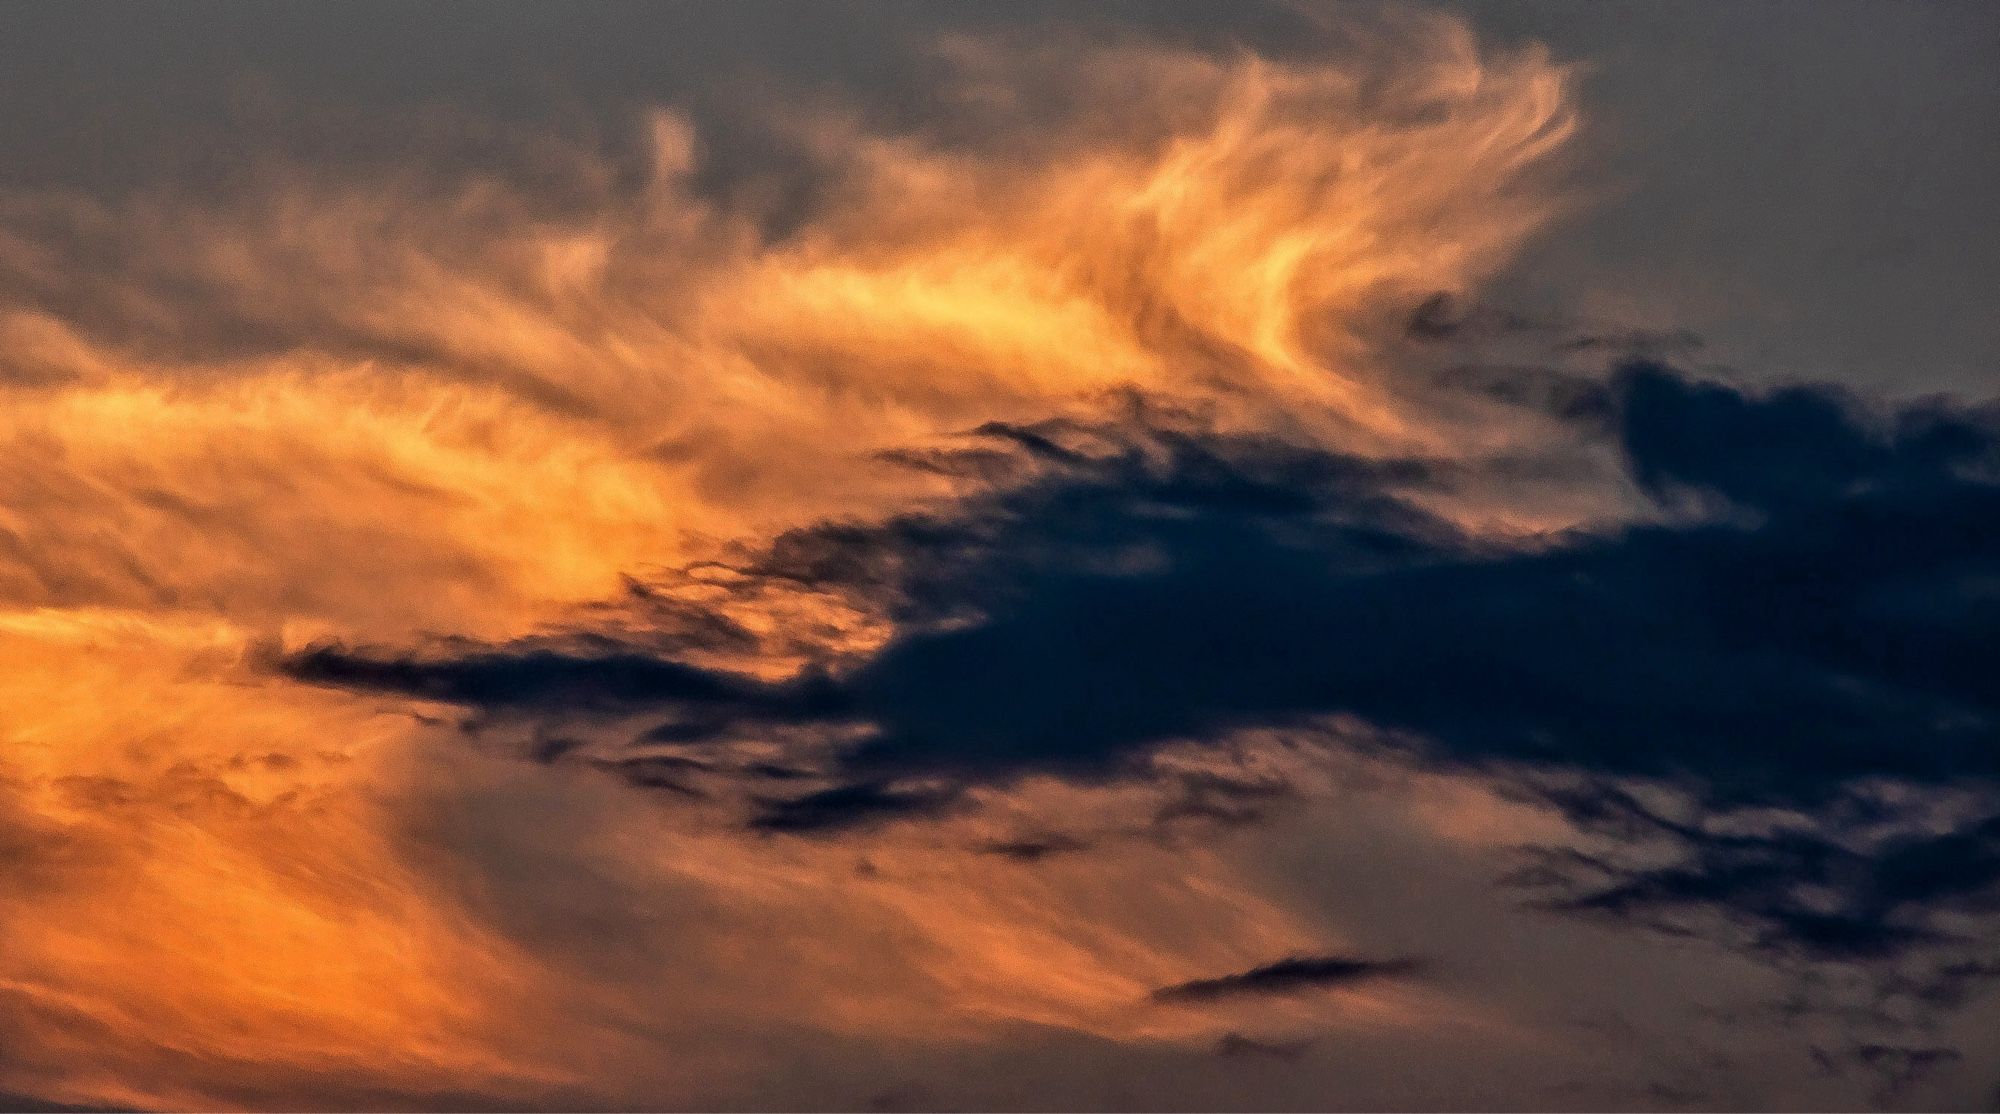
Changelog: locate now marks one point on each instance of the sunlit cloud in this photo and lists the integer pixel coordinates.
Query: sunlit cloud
(573, 634)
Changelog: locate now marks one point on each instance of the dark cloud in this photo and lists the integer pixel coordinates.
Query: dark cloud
(530, 678)
(671, 774)
(1288, 976)
(851, 806)
(1815, 609)
(1035, 849)
(1829, 887)
(1770, 651)
(545, 679)
(1442, 317)
(1214, 799)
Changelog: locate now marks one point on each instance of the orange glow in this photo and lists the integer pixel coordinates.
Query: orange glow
(390, 412)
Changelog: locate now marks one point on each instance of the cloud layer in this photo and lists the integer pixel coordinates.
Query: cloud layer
(954, 612)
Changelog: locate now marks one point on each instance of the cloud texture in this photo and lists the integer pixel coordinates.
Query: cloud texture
(625, 622)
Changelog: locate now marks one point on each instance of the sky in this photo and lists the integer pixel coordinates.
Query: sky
(895, 556)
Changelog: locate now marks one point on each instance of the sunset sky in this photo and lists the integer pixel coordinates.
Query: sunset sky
(937, 555)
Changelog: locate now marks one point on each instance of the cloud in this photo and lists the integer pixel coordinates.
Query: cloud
(1768, 660)
(1036, 848)
(1767, 647)
(1752, 643)
(388, 418)
(1288, 976)
(805, 563)
(1843, 885)
(503, 680)
(848, 806)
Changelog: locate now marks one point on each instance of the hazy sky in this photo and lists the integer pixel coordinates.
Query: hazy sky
(1029, 556)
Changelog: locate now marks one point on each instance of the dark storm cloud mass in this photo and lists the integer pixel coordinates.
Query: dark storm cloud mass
(1825, 614)
(1816, 611)
(1833, 624)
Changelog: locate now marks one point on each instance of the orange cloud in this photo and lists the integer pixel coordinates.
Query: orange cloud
(381, 409)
